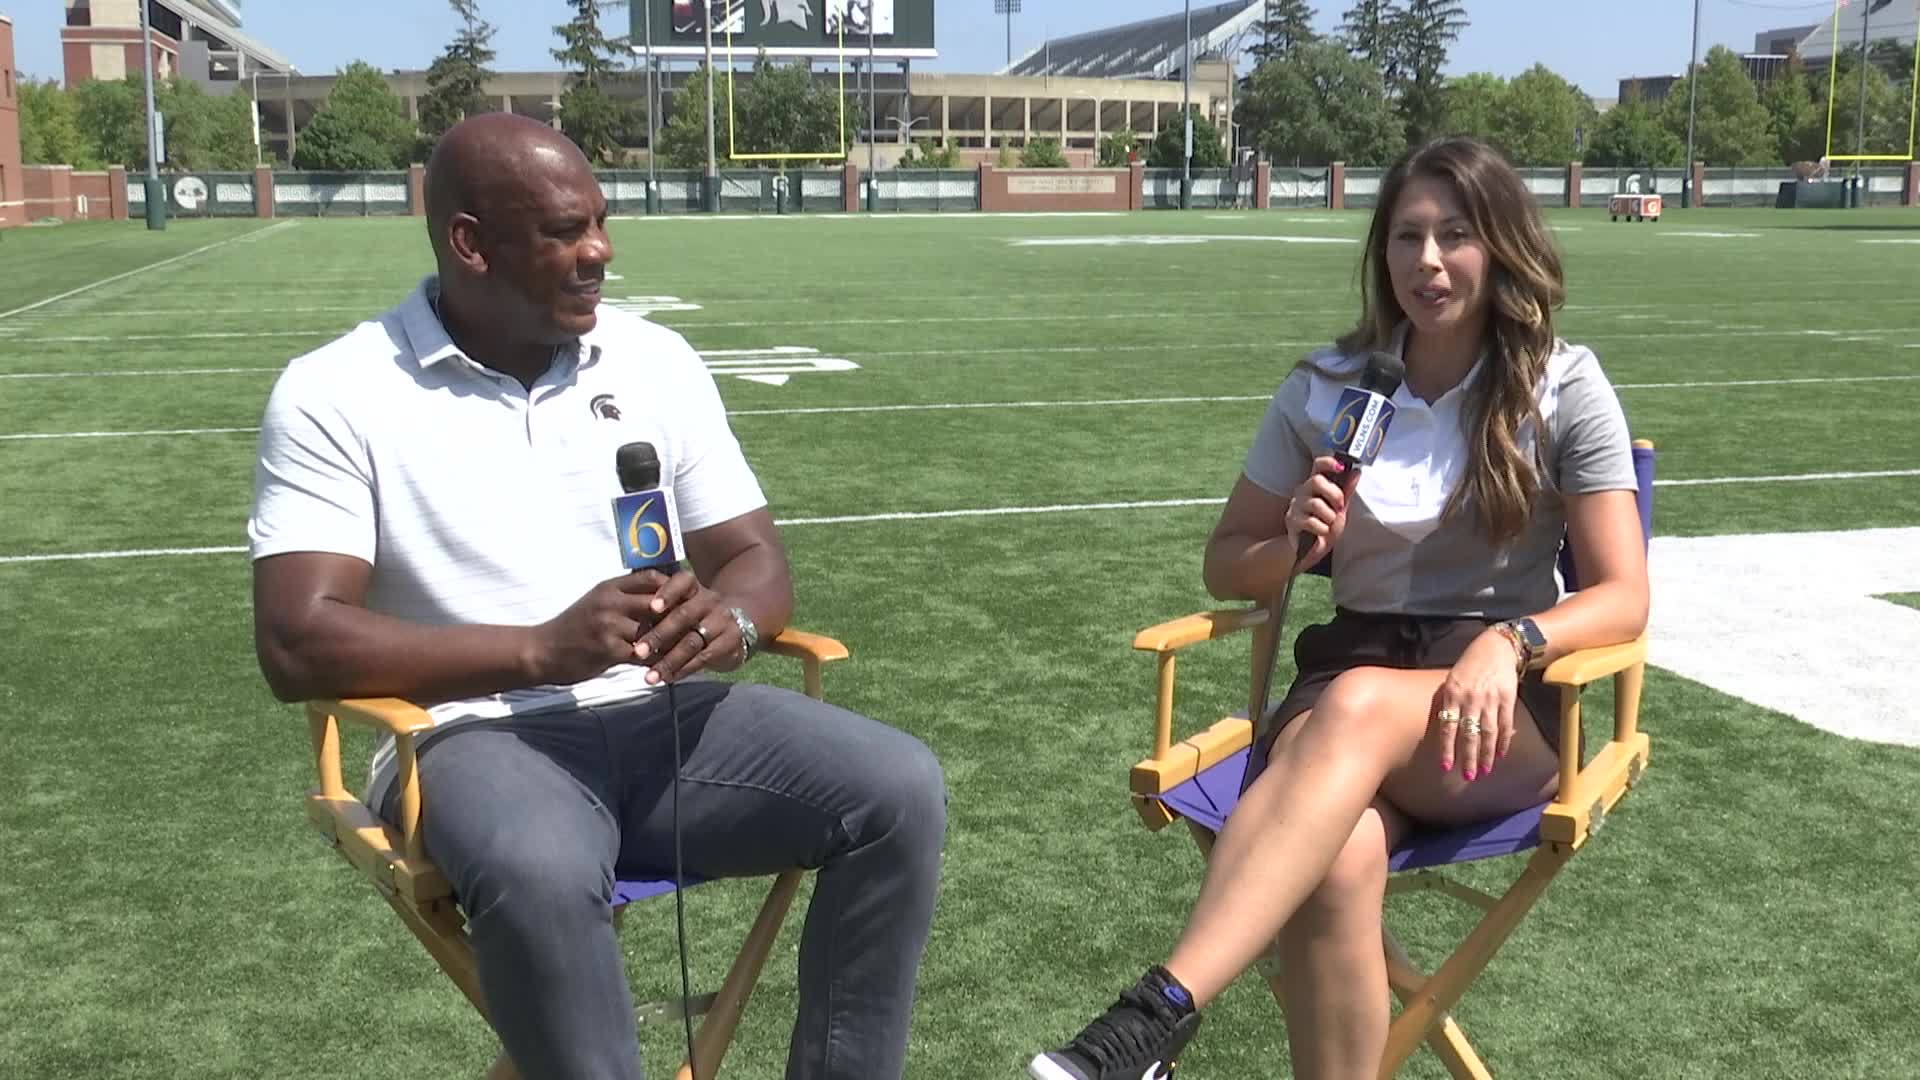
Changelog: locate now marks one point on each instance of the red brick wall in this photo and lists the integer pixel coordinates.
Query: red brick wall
(12, 182)
(1057, 189)
(49, 192)
(97, 189)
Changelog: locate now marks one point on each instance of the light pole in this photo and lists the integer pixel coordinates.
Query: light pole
(710, 184)
(653, 104)
(1009, 8)
(1860, 131)
(873, 113)
(1186, 112)
(1693, 97)
(156, 192)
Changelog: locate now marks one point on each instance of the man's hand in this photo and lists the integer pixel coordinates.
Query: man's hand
(599, 630)
(690, 630)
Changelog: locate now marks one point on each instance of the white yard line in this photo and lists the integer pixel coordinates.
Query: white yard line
(254, 234)
(968, 513)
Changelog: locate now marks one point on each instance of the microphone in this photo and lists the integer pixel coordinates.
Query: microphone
(1359, 428)
(644, 517)
(1360, 420)
(649, 532)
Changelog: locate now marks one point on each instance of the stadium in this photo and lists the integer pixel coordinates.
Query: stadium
(995, 412)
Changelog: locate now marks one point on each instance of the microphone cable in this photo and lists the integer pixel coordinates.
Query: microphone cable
(680, 890)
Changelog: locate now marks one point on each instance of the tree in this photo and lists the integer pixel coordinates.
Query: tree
(203, 131)
(1797, 128)
(928, 154)
(111, 118)
(1730, 127)
(50, 128)
(1473, 105)
(362, 126)
(456, 81)
(1321, 105)
(1631, 136)
(1540, 118)
(1170, 144)
(1043, 154)
(1284, 26)
(588, 115)
(1888, 112)
(781, 109)
(1420, 35)
(1368, 30)
(683, 140)
(1115, 148)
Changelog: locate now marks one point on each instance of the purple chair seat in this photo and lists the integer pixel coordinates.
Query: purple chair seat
(1208, 798)
(627, 892)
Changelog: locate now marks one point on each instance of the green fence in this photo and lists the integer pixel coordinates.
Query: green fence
(926, 190)
(197, 195)
(335, 194)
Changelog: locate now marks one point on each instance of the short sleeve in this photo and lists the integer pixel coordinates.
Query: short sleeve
(712, 481)
(1593, 449)
(1280, 457)
(312, 481)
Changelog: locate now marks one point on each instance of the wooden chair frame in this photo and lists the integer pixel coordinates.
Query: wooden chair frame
(396, 863)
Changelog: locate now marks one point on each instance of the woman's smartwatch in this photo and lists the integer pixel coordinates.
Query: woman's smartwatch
(1529, 644)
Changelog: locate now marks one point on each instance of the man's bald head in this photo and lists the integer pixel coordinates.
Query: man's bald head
(518, 225)
(493, 161)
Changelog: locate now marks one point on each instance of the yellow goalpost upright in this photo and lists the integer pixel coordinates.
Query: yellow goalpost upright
(1833, 77)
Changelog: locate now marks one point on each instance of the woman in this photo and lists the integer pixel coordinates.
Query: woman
(1420, 703)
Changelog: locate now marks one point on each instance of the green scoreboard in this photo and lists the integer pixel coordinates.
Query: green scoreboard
(819, 29)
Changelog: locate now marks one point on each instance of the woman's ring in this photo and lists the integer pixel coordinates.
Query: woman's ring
(1471, 725)
(1448, 716)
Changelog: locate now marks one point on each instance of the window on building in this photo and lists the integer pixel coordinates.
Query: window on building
(80, 14)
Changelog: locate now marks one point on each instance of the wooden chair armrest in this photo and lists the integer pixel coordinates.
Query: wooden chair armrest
(1585, 666)
(1193, 629)
(391, 715)
(1190, 757)
(801, 645)
(813, 651)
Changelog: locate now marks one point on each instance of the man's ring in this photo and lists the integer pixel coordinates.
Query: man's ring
(1471, 725)
(1448, 716)
(705, 638)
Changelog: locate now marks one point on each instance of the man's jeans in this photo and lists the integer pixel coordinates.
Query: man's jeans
(532, 819)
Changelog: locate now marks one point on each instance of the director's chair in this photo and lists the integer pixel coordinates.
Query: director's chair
(394, 860)
(1198, 779)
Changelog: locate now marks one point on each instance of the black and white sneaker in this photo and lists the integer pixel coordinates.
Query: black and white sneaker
(1138, 1038)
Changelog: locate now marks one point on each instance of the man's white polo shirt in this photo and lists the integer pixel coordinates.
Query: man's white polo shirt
(475, 500)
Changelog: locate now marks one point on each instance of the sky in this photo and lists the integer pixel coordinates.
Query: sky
(1592, 44)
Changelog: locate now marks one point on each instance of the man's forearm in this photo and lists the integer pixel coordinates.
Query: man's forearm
(342, 651)
(757, 579)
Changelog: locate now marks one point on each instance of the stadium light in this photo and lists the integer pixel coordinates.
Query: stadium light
(1009, 8)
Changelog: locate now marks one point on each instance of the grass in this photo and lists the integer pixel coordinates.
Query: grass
(168, 914)
(1909, 599)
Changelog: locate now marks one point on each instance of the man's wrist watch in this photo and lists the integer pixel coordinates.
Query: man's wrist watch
(749, 634)
(1529, 644)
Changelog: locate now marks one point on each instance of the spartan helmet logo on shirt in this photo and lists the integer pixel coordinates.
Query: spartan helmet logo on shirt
(603, 407)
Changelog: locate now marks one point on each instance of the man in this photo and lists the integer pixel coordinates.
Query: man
(431, 521)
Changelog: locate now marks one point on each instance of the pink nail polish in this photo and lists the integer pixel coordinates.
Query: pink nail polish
(1467, 776)
(1446, 766)
(1488, 771)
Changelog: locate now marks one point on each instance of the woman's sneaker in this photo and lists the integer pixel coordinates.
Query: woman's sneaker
(1138, 1038)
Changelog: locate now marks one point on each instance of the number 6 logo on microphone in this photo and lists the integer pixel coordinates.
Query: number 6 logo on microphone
(1360, 424)
(646, 525)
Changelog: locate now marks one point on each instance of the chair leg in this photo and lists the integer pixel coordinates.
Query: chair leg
(1428, 1006)
(717, 1027)
(1446, 1040)
(446, 941)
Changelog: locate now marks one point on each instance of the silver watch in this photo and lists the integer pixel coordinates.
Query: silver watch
(749, 634)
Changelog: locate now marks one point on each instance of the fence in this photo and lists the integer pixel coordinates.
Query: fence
(828, 190)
